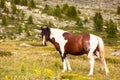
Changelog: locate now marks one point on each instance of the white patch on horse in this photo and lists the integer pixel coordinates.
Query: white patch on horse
(57, 34)
(64, 66)
(93, 46)
(68, 64)
(43, 42)
(93, 42)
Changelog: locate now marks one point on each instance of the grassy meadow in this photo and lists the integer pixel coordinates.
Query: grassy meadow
(18, 24)
(36, 62)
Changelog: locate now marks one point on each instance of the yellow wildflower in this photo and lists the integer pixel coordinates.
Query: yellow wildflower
(48, 72)
(6, 77)
(38, 72)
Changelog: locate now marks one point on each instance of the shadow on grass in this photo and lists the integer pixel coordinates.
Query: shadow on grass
(71, 76)
(5, 53)
(113, 60)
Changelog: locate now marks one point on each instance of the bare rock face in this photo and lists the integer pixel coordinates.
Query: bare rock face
(108, 4)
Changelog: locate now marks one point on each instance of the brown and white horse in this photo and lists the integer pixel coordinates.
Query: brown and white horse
(75, 44)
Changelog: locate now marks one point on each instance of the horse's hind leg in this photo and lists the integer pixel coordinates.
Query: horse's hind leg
(103, 62)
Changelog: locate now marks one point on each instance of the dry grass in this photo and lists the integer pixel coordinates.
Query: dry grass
(43, 63)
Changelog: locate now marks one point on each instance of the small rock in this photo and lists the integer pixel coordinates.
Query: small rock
(25, 45)
(117, 53)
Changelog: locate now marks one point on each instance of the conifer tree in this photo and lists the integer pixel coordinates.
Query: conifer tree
(111, 29)
(2, 3)
(30, 20)
(98, 21)
(6, 9)
(65, 7)
(118, 10)
(57, 11)
(72, 12)
(24, 2)
(4, 20)
(14, 8)
(32, 4)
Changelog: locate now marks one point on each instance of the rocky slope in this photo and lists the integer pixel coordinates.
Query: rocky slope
(87, 9)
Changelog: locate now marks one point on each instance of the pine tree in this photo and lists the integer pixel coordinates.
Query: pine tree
(4, 20)
(57, 11)
(72, 12)
(79, 22)
(24, 2)
(14, 8)
(32, 4)
(111, 29)
(6, 9)
(2, 3)
(118, 10)
(20, 29)
(30, 20)
(48, 10)
(98, 21)
(15, 1)
(65, 7)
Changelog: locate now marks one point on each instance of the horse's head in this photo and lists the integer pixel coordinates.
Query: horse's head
(45, 35)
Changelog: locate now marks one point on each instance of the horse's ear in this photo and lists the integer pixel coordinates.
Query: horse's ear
(41, 28)
(47, 28)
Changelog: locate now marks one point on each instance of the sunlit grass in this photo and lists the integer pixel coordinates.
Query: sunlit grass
(38, 63)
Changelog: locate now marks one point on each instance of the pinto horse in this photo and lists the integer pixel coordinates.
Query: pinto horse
(75, 44)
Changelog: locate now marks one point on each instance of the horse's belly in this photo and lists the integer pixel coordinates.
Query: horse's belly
(76, 53)
(76, 49)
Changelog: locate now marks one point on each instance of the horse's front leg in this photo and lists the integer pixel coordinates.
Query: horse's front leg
(64, 64)
(63, 60)
(68, 64)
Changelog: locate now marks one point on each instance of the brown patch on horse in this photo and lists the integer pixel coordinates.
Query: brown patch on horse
(77, 44)
(57, 46)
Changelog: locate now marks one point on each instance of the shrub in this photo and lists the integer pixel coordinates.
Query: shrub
(2, 3)
(30, 20)
(111, 29)
(71, 12)
(20, 29)
(14, 9)
(15, 1)
(32, 4)
(98, 21)
(5, 53)
(24, 2)
(65, 7)
(22, 14)
(6, 9)
(79, 22)
(48, 10)
(27, 30)
(4, 20)
(57, 11)
(118, 10)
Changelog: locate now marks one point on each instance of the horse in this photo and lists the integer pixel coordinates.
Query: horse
(75, 44)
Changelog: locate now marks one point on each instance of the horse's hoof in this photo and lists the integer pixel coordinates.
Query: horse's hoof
(90, 74)
(70, 70)
(64, 71)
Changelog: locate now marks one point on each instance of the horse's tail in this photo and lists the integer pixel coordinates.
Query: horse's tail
(101, 47)
(102, 53)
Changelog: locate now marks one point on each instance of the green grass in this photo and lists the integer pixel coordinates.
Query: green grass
(44, 63)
